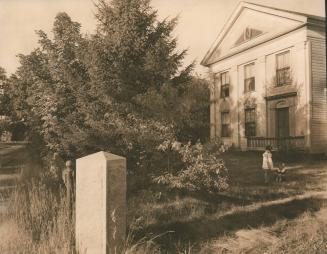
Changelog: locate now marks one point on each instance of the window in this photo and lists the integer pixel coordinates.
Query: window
(225, 122)
(224, 79)
(249, 80)
(283, 69)
(250, 122)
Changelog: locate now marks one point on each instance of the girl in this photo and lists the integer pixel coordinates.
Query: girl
(267, 163)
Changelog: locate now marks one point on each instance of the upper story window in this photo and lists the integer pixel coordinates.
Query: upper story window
(283, 69)
(224, 81)
(249, 79)
(250, 122)
(225, 124)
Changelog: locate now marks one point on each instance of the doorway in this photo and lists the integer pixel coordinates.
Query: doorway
(282, 123)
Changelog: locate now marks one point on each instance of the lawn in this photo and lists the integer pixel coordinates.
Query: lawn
(189, 221)
(250, 217)
(247, 182)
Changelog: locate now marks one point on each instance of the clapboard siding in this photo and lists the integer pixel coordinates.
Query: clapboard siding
(319, 99)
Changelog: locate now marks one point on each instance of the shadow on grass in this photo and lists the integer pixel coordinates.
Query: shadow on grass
(203, 229)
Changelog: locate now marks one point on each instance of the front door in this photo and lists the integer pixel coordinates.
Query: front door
(282, 117)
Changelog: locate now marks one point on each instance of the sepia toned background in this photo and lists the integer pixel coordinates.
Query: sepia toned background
(199, 23)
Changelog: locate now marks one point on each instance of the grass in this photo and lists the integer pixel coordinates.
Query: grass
(247, 177)
(195, 219)
(242, 220)
(306, 234)
(37, 221)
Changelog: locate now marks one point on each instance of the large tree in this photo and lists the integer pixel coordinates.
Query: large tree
(66, 88)
(80, 94)
(46, 87)
(185, 106)
(5, 105)
(132, 51)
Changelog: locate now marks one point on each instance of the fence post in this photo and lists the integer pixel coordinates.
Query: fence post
(68, 178)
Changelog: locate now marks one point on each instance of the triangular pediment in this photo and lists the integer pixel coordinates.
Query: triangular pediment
(249, 25)
(248, 34)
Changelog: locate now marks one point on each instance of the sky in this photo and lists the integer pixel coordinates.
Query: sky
(200, 21)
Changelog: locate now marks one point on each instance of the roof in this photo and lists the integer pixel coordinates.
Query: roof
(301, 17)
(293, 12)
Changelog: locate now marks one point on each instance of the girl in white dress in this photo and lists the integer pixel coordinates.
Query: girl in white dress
(267, 163)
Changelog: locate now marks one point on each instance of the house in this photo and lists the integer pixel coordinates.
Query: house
(268, 76)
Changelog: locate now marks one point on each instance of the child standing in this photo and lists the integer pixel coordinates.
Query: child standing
(281, 170)
(267, 163)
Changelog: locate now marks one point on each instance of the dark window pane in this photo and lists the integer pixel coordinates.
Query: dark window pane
(250, 129)
(283, 76)
(250, 122)
(224, 78)
(249, 77)
(225, 130)
(249, 84)
(225, 123)
(283, 69)
(224, 91)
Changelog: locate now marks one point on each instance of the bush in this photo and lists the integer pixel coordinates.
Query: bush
(201, 171)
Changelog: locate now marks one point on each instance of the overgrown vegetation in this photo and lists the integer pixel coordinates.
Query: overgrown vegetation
(39, 218)
(122, 89)
(182, 221)
(201, 170)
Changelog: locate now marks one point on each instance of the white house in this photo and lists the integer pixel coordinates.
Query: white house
(268, 71)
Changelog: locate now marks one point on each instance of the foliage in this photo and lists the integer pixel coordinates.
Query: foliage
(5, 124)
(46, 86)
(132, 51)
(8, 122)
(5, 105)
(72, 83)
(202, 171)
(122, 89)
(186, 106)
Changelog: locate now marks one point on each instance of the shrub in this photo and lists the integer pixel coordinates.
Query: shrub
(201, 171)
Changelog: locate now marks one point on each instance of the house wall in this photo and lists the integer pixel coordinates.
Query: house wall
(317, 40)
(264, 57)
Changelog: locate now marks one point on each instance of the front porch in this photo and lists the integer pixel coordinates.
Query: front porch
(281, 144)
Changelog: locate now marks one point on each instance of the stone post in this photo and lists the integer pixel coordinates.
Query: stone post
(100, 203)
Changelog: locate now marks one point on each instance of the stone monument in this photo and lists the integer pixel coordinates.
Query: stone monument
(100, 203)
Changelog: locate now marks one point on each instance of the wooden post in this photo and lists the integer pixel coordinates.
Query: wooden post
(68, 178)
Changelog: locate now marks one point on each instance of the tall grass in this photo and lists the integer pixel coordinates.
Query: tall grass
(42, 219)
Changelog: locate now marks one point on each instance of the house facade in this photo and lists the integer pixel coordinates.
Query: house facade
(268, 75)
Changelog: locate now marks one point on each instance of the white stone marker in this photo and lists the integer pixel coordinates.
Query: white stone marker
(100, 203)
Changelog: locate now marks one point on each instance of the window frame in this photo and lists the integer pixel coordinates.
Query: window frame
(250, 125)
(224, 87)
(283, 73)
(247, 80)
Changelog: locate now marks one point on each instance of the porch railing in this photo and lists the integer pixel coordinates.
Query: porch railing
(287, 143)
